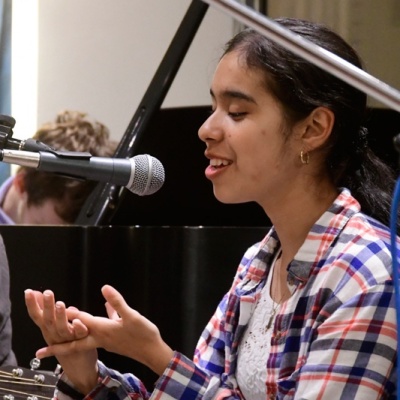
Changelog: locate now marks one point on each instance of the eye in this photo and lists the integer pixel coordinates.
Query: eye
(237, 115)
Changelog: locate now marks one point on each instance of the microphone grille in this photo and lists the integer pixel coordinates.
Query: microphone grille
(149, 175)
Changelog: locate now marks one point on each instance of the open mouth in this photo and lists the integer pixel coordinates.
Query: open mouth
(218, 163)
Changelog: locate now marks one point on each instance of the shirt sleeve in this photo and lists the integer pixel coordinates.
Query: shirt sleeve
(183, 378)
(111, 384)
(209, 375)
(354, 351)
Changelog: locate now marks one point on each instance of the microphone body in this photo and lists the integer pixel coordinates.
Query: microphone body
(142, 174)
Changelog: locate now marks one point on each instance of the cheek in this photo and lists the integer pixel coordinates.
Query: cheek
(265, 161)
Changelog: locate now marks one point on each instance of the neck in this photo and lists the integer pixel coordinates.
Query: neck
(294, 219)
(279, 291)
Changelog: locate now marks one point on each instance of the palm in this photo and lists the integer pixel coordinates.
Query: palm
(117, 332)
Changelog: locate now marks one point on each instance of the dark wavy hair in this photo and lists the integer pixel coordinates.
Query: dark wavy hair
(301, 86)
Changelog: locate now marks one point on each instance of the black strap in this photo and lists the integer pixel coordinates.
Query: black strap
(69, 391)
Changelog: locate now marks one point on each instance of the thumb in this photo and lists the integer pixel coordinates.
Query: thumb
(115, 300)
(72, 312)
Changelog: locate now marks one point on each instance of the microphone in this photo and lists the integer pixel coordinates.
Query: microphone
(142, 174)
(8, 142)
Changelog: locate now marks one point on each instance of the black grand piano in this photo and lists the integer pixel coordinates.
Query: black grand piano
(172, 254)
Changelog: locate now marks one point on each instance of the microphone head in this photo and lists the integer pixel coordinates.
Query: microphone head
(148, 177)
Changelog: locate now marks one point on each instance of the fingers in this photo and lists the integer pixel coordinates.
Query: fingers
(65, 329)
(48, 301)
(52, 317)
(60, 320)
(31, 304)
(43, 353)
(67, 348)
(80, 329)
(75, 314)
(34, 305)
(72, 313)
(112, 314)
(50, 351)
(116, 303)
(49, 311)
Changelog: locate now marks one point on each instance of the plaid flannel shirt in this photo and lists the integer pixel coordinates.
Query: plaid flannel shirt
(334, 338)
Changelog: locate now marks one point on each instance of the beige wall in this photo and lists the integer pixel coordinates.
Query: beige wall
(100, 56)
(371, 26)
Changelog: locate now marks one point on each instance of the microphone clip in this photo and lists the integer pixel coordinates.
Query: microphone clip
(7, 124)
(82, 155)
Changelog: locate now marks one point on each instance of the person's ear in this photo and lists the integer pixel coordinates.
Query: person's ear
(316, 128)
(19, 182)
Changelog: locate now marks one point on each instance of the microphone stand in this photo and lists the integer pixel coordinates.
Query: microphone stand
(311, 52)
(394, 249)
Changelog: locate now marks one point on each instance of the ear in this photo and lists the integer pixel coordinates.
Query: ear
(316, 128)
(19, 182)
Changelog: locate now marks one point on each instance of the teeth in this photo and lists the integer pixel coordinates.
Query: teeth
(216, 162)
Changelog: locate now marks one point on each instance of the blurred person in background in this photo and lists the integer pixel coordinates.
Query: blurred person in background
(36, 197)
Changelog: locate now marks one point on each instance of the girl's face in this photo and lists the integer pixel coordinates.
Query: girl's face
(251, 158)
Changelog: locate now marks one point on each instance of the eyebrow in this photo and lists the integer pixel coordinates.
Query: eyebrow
(234, 94)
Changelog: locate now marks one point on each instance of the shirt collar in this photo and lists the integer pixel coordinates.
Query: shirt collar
(322, 234)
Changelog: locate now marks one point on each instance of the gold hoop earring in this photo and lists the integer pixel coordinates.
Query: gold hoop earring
(304, 157)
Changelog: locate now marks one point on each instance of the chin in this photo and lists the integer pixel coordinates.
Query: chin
(228, 198)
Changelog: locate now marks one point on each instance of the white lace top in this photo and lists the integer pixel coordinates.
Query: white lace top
(255, 346)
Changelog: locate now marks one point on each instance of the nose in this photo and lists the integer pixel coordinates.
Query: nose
(211, 129)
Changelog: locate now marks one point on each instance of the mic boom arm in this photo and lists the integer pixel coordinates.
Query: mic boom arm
(317, 55)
